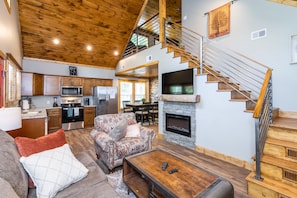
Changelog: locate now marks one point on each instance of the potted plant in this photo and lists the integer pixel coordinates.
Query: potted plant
(143, 100)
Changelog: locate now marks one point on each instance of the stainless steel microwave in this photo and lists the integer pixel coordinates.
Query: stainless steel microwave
(71, 91)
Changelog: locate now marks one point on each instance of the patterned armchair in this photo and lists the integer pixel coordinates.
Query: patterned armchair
(112, 152)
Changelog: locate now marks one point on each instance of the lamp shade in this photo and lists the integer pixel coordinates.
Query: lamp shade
(10, 118)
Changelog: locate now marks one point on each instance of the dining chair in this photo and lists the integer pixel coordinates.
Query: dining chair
(142, 114)
(125, 108)
(153, 112)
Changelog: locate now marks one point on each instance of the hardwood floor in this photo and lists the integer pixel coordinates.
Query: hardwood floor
(80, 140)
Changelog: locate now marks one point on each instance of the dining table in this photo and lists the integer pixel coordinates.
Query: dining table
(137, 106)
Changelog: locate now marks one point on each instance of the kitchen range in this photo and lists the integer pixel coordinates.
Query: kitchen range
(72, 113)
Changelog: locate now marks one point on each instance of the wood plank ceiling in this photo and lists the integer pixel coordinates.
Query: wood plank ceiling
(105, 25)
(286, 2)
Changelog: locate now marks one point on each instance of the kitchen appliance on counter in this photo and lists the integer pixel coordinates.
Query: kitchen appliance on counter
(55, 104)
(72, 113)
(25, 104)
(105, 99)
(73, 91)
(86, 101)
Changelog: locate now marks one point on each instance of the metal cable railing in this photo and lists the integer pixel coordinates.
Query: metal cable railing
(143, 37)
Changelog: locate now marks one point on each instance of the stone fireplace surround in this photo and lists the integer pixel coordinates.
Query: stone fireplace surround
(180, 105)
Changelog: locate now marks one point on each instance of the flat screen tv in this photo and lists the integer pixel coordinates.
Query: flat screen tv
(178, 82)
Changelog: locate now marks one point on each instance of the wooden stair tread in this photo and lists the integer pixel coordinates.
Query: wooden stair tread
(283, 143)
(289, 165)
(286, 123)
(274, 185)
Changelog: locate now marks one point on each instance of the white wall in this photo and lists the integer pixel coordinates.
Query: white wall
(248, 16)
(52, 68)
(10, 41)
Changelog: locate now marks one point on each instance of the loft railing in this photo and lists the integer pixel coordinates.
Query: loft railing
(248, 77)
(143, 37)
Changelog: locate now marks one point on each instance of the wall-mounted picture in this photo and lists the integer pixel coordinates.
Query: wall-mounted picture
(72, 71)
(293, 48)
(219, 21)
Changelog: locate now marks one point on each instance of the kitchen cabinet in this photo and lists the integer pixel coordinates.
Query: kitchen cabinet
(88, 86)
(32, 84)
(89, 115)
(103, 82)
(71, 81)
(54, 116)
(51, 85)
(31, 128)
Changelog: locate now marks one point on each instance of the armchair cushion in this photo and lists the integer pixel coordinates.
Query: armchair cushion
(129, 146)
(119, 131)
(133, 130)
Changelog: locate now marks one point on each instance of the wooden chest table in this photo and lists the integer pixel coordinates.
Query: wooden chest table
(144, 176)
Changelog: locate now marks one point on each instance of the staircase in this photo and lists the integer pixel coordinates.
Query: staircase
(278, 163)
(224, 84)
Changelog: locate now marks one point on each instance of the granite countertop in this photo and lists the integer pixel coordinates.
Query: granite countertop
(34, 113)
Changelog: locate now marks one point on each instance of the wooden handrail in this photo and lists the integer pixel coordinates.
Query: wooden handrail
(261, 98)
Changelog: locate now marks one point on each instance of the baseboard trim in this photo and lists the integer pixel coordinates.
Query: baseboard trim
(226, 158)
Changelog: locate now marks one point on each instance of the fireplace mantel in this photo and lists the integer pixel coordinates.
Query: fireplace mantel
(180, 98)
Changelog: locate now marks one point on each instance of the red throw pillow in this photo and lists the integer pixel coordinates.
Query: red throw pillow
(28, 146)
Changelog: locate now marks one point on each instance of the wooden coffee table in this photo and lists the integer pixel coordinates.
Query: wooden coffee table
(144, 176)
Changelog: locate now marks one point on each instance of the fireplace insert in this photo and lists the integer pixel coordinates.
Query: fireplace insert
(180, 124)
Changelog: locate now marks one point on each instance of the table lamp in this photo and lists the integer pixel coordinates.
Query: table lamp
(10, 118)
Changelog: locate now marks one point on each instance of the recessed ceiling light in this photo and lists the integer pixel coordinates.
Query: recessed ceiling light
(56, 41)
(116, 53)
(89, 47)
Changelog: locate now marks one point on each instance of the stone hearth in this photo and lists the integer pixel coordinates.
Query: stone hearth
(187, 108)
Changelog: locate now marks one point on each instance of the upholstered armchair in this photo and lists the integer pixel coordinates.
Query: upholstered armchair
(110, 147)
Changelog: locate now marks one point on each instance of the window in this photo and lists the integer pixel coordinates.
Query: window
(13, 82)
(132, 90)
(139, 40)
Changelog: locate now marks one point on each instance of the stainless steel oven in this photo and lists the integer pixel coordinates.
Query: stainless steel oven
(72, 113)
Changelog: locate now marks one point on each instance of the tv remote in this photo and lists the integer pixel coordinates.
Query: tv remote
(164, 165)
(172, 171)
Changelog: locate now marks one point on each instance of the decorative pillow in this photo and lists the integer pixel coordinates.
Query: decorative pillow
(133, 130)
(53, 170)
(28, 146)
(119, 131)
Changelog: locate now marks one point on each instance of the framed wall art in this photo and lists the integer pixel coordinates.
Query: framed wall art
(219, 21)
(293, 48)
(72, 71)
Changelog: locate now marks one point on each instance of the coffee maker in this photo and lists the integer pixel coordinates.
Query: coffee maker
(86, 101)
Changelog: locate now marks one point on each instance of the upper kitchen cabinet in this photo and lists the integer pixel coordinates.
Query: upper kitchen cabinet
(103, 82)
(51, 85)
(71, 81)
(88, 86)
(32, 84)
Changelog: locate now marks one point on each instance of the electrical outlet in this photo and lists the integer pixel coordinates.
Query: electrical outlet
(48, 102)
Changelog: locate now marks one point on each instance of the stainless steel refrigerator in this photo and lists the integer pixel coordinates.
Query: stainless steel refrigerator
(105, 99)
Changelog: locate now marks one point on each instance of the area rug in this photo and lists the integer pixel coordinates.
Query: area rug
(115, 179)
